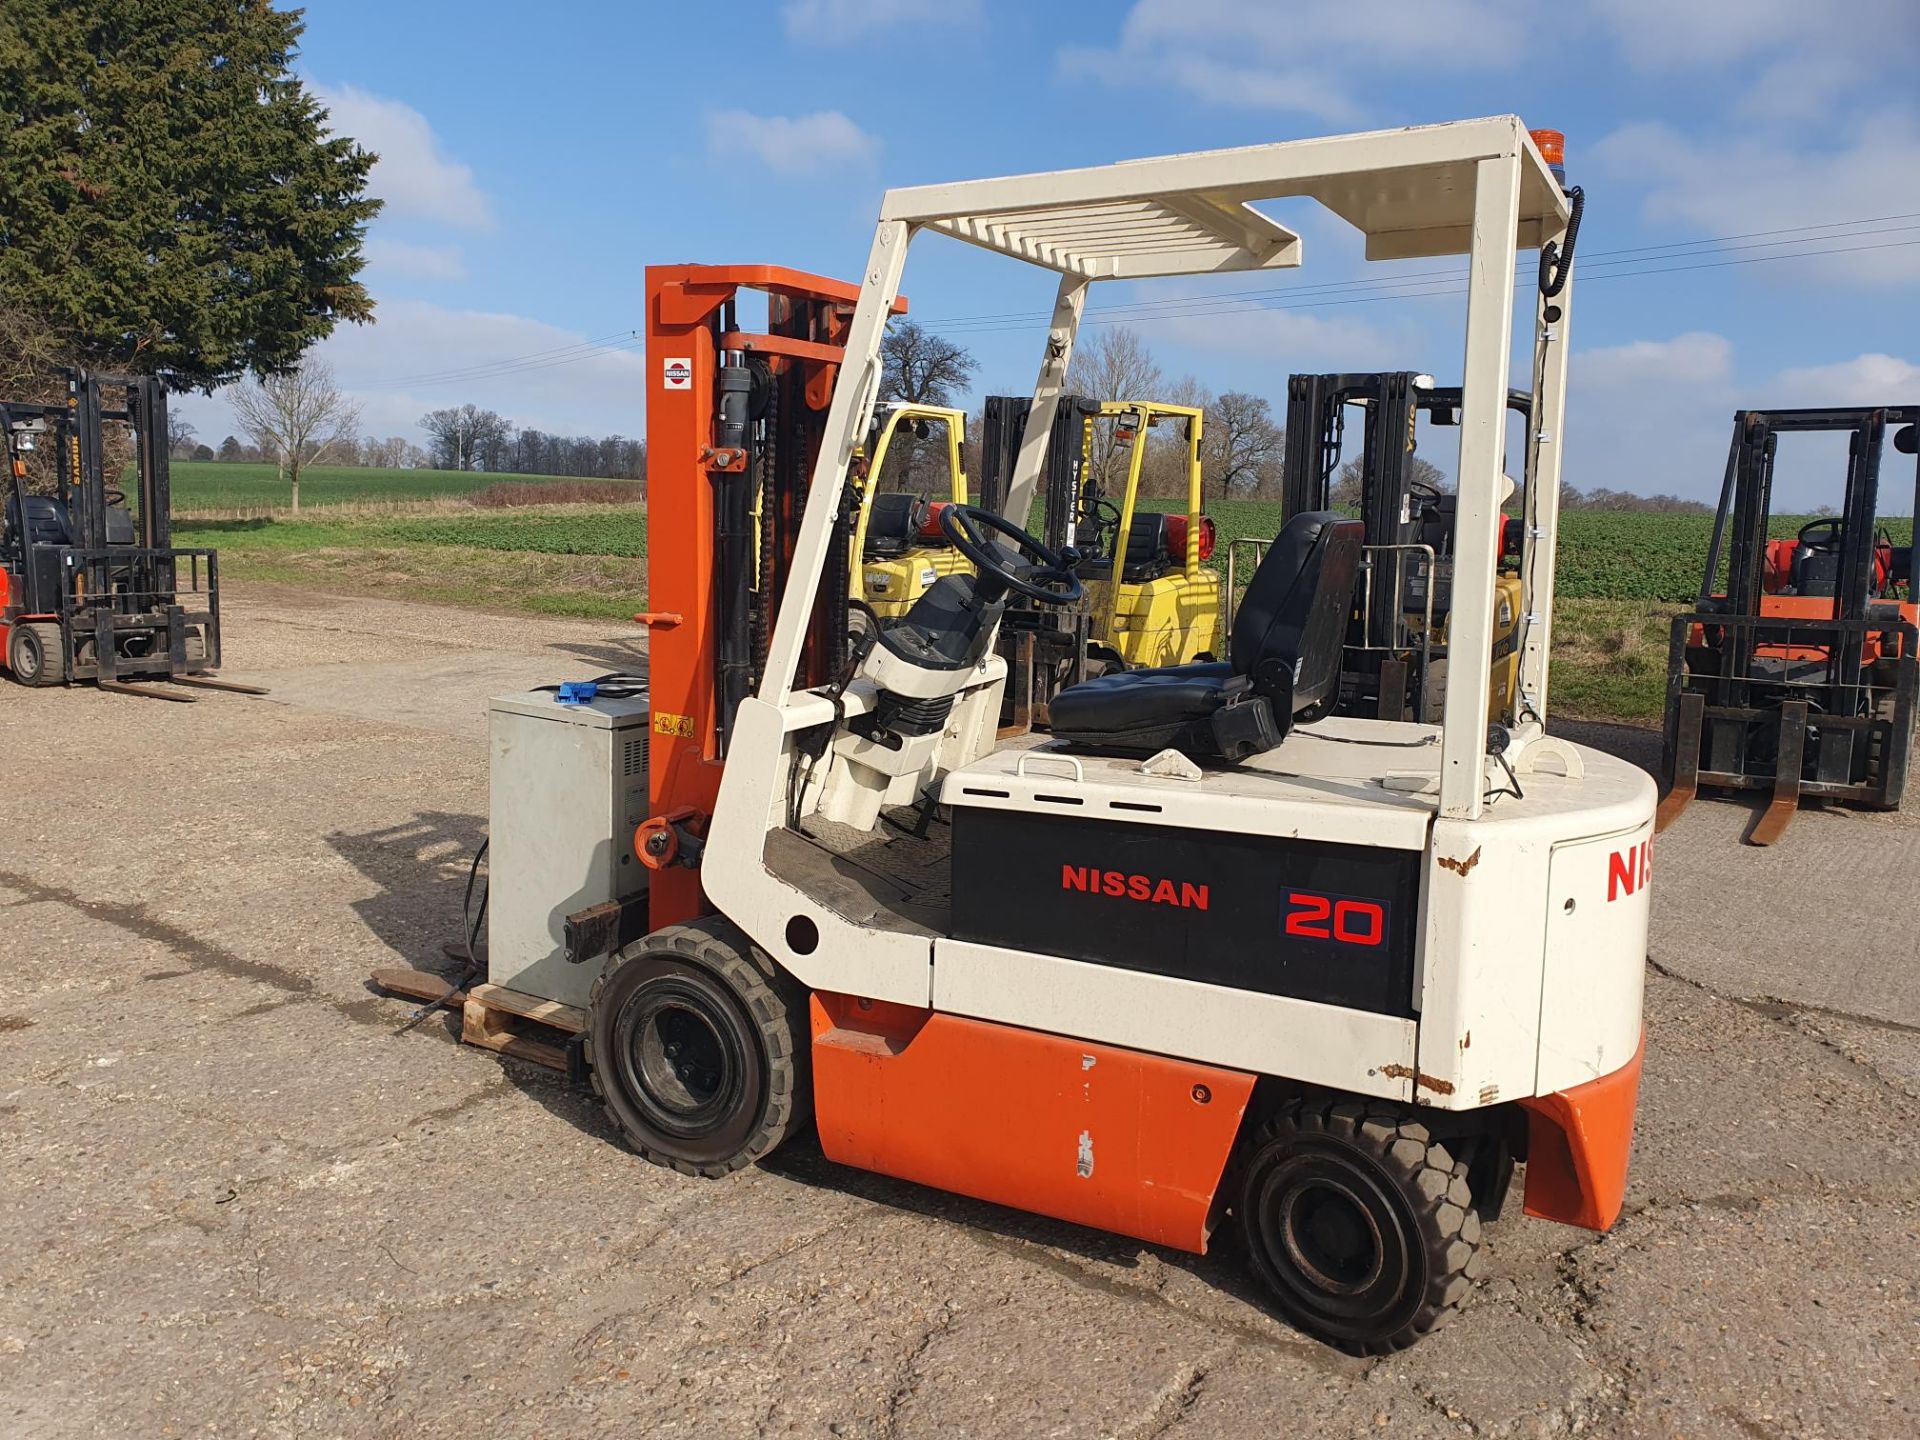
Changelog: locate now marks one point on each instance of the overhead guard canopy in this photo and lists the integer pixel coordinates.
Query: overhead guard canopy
(1192, 214)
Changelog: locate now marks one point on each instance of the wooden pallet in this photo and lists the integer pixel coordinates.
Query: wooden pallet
(520, 1025)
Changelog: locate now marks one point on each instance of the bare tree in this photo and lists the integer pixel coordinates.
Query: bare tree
(180, 433)
(465, 437)
(296, 417)
(918, 366)
(1349, 493)
(1241, 441)
(31, 354)
(1116, 365)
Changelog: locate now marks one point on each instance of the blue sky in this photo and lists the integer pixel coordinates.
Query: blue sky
(536, 159)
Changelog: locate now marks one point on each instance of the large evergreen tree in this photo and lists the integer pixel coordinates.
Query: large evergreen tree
(169, 196)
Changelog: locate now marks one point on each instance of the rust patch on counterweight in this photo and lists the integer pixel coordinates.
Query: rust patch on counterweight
(1461, 867)
(1423, 1082)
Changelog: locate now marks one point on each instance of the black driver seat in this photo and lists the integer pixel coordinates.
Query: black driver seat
(894, 521)
(48, 522)
(1283, 657)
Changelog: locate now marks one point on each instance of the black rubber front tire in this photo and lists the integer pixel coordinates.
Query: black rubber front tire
(33, 654)
(1359, 1222)
(697, 1044)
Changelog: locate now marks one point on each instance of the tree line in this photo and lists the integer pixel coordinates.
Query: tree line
(459, 438)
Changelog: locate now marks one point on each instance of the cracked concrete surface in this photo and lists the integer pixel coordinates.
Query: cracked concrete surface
(238, 1198)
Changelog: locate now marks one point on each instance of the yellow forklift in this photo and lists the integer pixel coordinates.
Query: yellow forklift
(898, 547)
(1159, 604)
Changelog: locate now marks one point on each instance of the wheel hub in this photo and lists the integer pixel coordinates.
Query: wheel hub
(681, 1061)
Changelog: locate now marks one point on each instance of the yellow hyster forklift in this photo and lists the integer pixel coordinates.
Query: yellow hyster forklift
(1191, 961)
(899, 548)
(1160, 605)
(1395, 664)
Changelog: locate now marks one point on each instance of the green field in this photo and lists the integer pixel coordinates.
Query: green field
(1604, 554)
(1621, 575)
(214, 485)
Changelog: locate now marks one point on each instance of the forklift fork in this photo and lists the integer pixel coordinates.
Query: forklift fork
(145, 692)
(1685, 784)
(204, 683)
(1773, 821)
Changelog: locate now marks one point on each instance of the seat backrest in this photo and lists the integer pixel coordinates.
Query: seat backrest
(1147, 540)
(893, 521)
(1296, 608)
(47, 521)
(1816, 571)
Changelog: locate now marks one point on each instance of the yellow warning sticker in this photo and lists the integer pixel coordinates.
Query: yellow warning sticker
(667, 723)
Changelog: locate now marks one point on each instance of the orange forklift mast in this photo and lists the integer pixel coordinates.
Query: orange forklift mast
(735, 419)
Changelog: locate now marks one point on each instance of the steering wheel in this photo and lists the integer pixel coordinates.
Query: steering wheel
(1102, 523)
(965, 525)
(1823, 534)
(116, 497)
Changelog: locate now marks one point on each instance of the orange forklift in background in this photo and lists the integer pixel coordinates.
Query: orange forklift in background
(1798, 674)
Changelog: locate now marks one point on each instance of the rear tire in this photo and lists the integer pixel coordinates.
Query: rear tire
(697, 1044)
(1359, 1222)
(33, 655)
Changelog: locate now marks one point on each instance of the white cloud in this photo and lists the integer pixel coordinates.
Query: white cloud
(416, 179)
(414, 262)
(821, 21)
(1752, 183)
(1696, 358)
(1651, 416)
(1872, 379)
(1220, 81)
(1287, 340)
(1662, 35)
(1657, 415)
(534, 373)
(792, 145)
(1291, 57)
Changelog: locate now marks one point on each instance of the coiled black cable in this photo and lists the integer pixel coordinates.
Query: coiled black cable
(1556, 265)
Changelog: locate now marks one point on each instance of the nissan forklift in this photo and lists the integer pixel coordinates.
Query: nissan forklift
(1395, 664)
(92, 587)
(1149, 598)
(1796, 672)
(1195, 961)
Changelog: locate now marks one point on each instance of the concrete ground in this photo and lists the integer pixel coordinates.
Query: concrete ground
(237, 1199)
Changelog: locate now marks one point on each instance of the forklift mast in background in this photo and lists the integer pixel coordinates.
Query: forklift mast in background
(1068, 497)
(1383, 656)
(734, 425)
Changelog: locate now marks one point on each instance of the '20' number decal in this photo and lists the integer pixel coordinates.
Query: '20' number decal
(1328, 917)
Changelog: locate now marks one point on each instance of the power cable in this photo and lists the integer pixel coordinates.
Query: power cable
(1456, 273)
(1431, 279)
(513, 359)
(502, 368)
(1407, 290)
